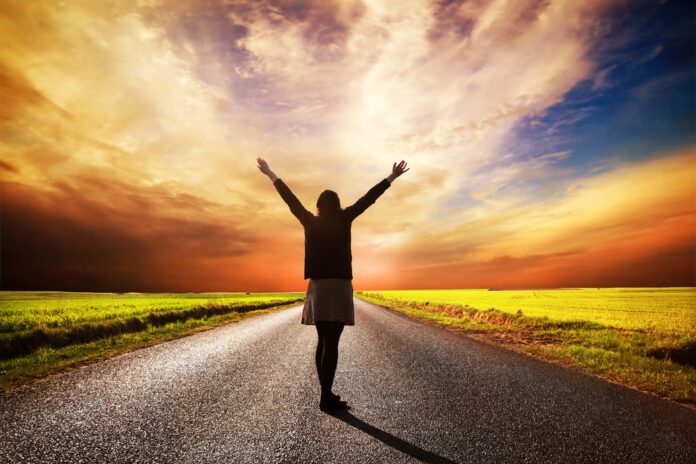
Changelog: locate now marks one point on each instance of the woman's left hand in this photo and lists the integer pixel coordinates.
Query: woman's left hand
(263, 166)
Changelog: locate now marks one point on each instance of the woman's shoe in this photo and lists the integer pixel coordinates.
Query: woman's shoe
(332, 397)
(332, 403)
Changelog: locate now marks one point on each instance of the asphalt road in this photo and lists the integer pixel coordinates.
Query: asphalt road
(247, 392)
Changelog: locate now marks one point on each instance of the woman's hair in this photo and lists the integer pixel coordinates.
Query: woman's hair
(328, 203)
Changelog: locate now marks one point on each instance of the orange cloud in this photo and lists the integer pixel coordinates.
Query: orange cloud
(129, 134)
(632, 226)
(101, 234)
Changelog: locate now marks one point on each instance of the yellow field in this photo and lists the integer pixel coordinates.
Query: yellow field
(661, 309)
(21, 311)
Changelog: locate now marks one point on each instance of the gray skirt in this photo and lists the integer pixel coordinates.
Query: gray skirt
(329, 300)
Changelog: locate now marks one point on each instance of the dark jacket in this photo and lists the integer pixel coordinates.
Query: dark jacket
(327, 239)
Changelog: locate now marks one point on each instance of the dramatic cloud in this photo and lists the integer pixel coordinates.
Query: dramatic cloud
(130, 132)
(99, 234)
(634, 225)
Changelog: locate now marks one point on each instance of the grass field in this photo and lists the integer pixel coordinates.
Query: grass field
(642, 337)
(46, 332)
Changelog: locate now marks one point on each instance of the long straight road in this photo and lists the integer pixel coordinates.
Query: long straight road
(247, 392)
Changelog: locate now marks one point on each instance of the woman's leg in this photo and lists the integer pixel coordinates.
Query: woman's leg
(320, 351)
(329, 334)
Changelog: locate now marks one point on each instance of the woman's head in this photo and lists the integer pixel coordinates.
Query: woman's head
(328, 203)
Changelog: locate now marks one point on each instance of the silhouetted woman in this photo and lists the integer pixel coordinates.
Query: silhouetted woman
(329, 301)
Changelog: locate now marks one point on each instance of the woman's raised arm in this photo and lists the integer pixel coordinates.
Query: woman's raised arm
(375, 192)
(397, 170)
(296, 208)
(266, 169)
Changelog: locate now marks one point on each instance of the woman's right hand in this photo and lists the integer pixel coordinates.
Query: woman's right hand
(397, 170)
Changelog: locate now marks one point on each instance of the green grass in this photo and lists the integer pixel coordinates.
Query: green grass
(47, 332)
(624, 334)
(21, 311)
(663, 309)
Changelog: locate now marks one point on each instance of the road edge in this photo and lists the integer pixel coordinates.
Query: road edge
(509, 347)
(10, 387)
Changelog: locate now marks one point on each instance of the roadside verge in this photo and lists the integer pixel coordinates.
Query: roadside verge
(631, 358)
(45, 360)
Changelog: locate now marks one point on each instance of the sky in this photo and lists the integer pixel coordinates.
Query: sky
(550, 143)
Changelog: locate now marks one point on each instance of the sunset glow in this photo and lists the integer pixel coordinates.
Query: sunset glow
(551, 143)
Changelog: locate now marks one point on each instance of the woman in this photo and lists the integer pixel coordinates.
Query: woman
(329, 301)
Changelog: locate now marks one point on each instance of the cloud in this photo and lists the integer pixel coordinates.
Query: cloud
(98, 234)
(138, 125)
(625, 227)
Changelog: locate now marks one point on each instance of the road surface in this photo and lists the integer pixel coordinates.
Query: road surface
(247, 392)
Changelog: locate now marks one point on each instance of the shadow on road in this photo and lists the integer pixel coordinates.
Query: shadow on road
(391, 440)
